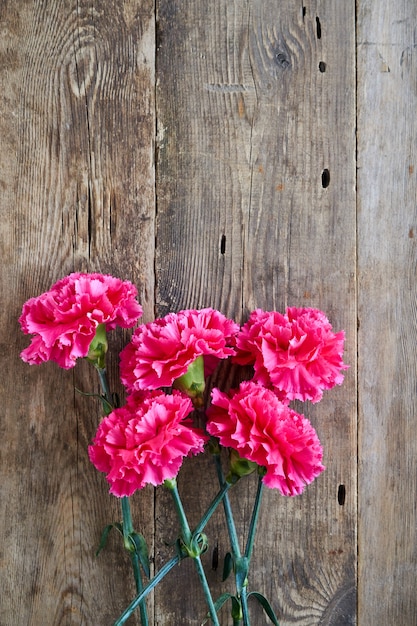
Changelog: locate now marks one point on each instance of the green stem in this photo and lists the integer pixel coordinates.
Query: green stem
(234, 541)
(126, 511)
(245, 608)
(127, 531)
(241, 589)
(186, 533)
(127, 519)
(105, 387)
(147, 589)
(187, 538)
(249, 545)
(213, 506)
(170, 564)
(207, 593)
(254, 520)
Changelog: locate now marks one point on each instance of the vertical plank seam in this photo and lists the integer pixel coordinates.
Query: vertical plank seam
(156, 159)
(90, 207)
(245, 223)
(155, 233)
(357, 315)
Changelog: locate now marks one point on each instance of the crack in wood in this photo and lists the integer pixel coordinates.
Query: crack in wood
(226, 88)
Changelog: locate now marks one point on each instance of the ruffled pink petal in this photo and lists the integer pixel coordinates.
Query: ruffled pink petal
(63, 321)
(162, 351)
(297, 354)
(252, 421)
(146, 441)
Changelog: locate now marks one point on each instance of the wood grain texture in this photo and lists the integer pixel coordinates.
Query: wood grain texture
(387, 100)
(254, 102)
(253, 135)
(77, 172)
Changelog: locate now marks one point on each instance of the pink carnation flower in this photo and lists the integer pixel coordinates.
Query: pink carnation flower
(162, 351)
(145, 441)
(297, 354)
(263, 430)
(64, 319)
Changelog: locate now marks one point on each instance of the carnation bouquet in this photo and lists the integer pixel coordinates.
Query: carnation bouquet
(171, 413)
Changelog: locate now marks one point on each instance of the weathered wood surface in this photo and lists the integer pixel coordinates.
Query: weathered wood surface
(77, 171)
(207, 153)
(247, 123)
(387, 129)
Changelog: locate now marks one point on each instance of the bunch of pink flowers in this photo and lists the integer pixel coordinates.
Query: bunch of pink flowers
(164, 368)
(295, 355)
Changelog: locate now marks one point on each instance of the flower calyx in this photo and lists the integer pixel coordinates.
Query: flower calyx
(98, 348)
(239, 467)
(192, 382)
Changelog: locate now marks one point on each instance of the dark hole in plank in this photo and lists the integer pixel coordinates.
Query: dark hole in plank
(223, 244)
(318, 28)
(341, 495)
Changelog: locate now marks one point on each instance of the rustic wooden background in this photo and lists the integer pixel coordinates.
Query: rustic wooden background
(234, 154)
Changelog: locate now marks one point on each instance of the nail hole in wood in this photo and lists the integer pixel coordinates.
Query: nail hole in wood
(322, 67)
(318, 28)
(341, 495)
(325, 178)
(223, 244)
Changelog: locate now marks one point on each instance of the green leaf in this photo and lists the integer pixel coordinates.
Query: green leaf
(118, 526)
(265, 605)
(141, 549)
(107, 407)
(199, 544)
(180, 549)
(237, 614)
(227, 566)
(218, 605)
(105, 534)
(103, 539)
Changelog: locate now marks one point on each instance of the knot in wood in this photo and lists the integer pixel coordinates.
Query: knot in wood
(82, 70)
(282, 59)
(277, 55)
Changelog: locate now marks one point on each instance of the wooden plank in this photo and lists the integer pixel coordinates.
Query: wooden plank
(256, 208)
(387, 101)
(77, 170)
